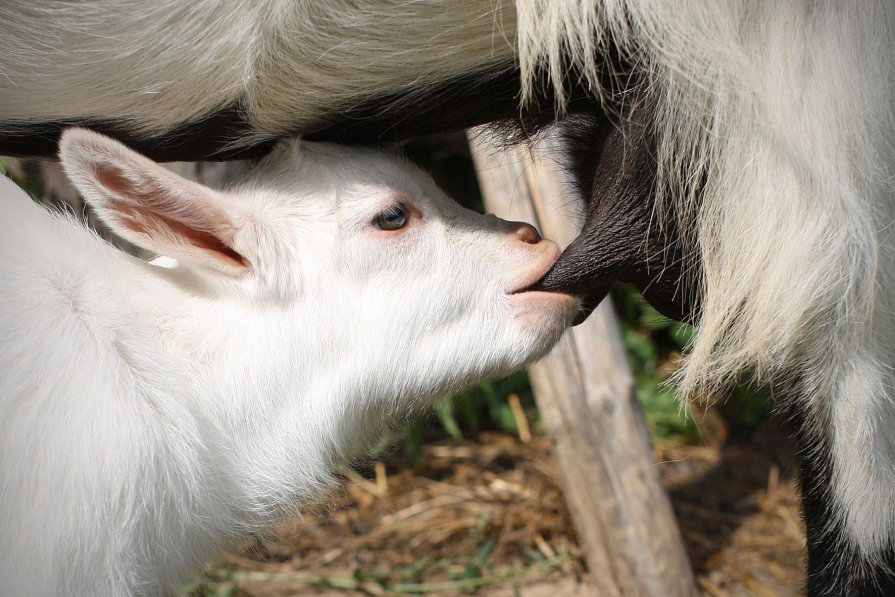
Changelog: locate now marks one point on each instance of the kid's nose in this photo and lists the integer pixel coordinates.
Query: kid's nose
(527, 233)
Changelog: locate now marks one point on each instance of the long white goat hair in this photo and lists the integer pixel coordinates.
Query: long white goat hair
(780, 118)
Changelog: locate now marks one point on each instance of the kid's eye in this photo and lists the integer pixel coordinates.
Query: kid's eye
(393, 218)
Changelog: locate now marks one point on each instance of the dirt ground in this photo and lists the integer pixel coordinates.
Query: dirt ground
(487, 517)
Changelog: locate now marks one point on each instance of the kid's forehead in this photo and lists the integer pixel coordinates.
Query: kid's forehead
(352, 169)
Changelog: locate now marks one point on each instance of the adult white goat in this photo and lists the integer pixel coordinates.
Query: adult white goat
(765, 129)
(148, 414)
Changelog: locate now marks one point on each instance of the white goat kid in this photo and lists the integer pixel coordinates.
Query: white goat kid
(148, 414)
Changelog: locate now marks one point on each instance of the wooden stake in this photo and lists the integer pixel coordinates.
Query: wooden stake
(587, 399)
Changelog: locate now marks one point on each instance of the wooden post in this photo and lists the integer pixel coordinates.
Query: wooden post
(588, 402)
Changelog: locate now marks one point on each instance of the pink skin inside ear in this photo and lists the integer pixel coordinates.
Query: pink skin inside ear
(158, 202)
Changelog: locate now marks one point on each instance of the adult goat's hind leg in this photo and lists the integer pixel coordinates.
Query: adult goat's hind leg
(846, 473)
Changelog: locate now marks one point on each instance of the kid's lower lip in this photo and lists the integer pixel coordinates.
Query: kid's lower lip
(526, 295)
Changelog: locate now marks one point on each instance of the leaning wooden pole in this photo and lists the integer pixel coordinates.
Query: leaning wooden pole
(588, 402)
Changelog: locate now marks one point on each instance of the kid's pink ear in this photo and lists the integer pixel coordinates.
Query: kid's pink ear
(150, 206)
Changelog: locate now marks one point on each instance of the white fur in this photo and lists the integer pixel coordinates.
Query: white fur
(784, 109)
(787, 111)
(147, 414)
(288, 61)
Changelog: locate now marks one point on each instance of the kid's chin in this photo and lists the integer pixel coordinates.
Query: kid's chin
(544, 312)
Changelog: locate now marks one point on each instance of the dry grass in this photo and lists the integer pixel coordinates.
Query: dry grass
(488, 518)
